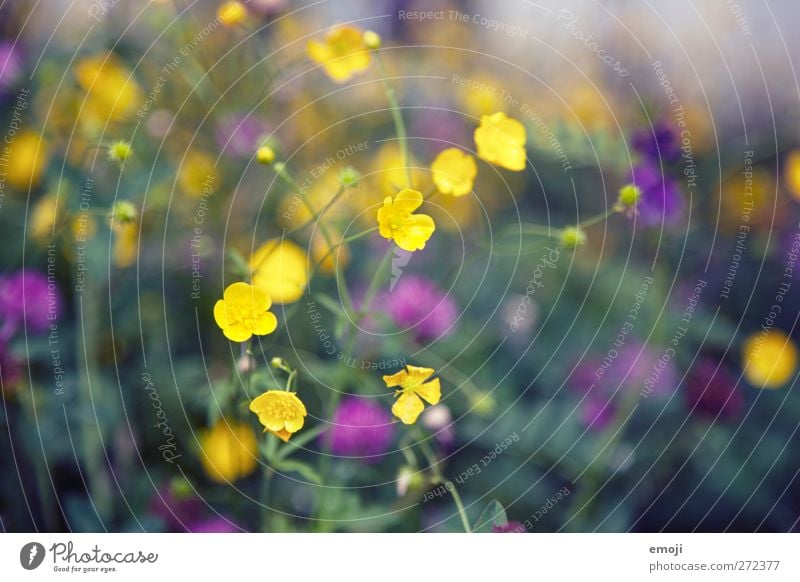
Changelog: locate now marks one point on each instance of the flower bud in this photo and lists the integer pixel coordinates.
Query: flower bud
(265, 155)
(124, 212)
(629, 196)
(572, 237)
(231, 13)
(371, 40)
(119, 151)
(349, 176)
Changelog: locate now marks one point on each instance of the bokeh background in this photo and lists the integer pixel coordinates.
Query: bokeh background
(645, 381)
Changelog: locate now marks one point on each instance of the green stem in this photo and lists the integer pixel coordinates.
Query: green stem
(433, 463)
(397, 116)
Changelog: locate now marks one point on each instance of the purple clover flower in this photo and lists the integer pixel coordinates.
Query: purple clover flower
(418, 303)
(27, 298)
(360, 428)
(662, 201)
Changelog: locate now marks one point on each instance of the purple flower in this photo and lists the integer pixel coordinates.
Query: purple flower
(10, 65)
(240, 135)
(360, 428)
(601, 383)
(26, 297)
(418, 303)
(213, 525)
(510, 527)
(662, 201)
(658, 143)
(176, 507)
(711, 391)
(439, 129)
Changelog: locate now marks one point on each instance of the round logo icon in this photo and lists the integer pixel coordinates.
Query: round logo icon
(31, 555)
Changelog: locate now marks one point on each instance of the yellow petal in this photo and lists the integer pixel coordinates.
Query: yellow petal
(284, 435)
(237, 333)
(418, 374)
(396, 379)
(265, 323)
(219, 314)
(408, 200)
(430, 391)
(408, 407)
(294, 424)
(415, 232)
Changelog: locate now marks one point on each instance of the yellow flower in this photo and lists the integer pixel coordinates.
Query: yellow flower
(343, 53)
(229, 451)
(280, 268)
(126, 244)
(413, 389)
(112, 93)
(396, 222)
(27, 157)
(231, 13)
(791, 173)
(770, 359)
(282, 413)
(390, 173)
(43, 217)
(198, 174)
(242, 312)
(454, 172)
(501, 141)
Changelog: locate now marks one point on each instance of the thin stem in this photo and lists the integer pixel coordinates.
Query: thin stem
(397, 116)
(448, 485)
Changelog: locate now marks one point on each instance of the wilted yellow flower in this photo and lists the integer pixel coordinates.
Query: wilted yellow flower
(282, 413)
(112, 93)
(501, 141)
(198, 174)
(231, 13)
(769, 359)
(280, 268)
(27, 158)
(342, 54)
(454, 172)
(413, 390)
(791, 173)
(242, 312)
(397, 222)
(228, 451)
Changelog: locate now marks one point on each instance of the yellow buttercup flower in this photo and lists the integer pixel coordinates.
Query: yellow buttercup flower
(413, 389)
(198, 175)
(282, 413)
(769, 359)
(126, 244)
(242, 312)
(501, 141)
(231, 13)
(280, 268)
(229, 451)
(397, 222)
(41, 225)
(112, 93)
(27, 157)
(791, 173)
(342, 54)
(454, 172)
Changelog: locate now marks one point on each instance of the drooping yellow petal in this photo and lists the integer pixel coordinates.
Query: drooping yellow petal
(408, 200)
(396, 379)
(408, 407)
(418, 374)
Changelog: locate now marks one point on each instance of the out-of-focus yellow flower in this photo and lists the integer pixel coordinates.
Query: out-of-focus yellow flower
(265, 155)
(27, 159)
(198, 174)
(454, 172)
(112, 93)
(231, 13)
(481, 95)
(282, 413)
(756, 196)
(791, 173)
(372, 40)
(413, 389)
(229, 451)
(769, 359)
(280, 268)
(43, 217)
(126, 244)
(320, 248)
(501, 141)
(397, 222)
(298, 209)
(391, 174)
(243, 312)
(342, 54)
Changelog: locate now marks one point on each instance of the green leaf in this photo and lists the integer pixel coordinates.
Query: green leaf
(329, 303)
(299, 467)
(298, 442)
(493, 515)
(239, 265)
